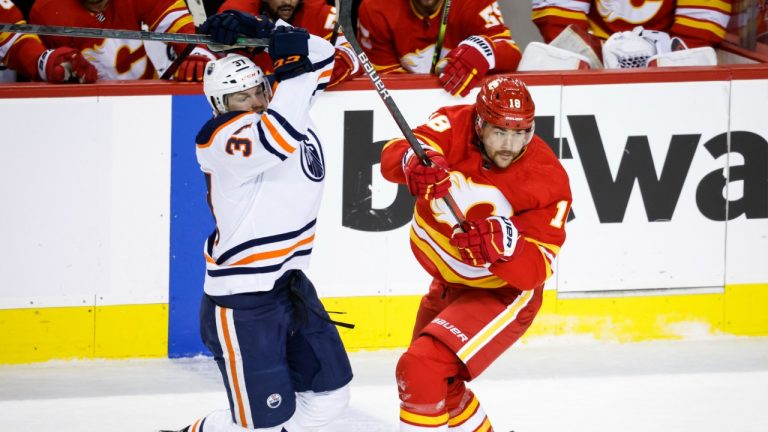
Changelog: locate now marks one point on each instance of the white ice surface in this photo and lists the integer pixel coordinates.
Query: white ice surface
(718, 384)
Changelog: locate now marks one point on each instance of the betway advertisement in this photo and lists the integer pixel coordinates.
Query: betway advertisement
(661, 190)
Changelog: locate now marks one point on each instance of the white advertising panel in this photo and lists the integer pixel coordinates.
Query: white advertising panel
(747, 246)
(638, 163)
(85, 186)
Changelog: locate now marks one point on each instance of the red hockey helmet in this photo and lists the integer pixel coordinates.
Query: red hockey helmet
(505, 102)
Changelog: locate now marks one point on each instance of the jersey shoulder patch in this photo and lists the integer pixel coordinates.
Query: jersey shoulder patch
(213, 124)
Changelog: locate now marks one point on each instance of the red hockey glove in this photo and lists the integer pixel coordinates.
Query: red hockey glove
(466, 65)
(428, 182)
(344, 67)
(192, 68)
(485, 241)
(64, 65)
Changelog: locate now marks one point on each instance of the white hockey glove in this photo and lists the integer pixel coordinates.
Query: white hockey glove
(543, 57)
(633, 49)
(702, 56)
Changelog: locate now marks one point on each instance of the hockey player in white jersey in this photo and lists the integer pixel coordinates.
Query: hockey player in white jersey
(282, 360)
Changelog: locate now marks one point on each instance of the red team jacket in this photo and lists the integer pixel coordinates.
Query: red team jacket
(316, 16)
(114, 58)
(397, 39)
(533, 192)
(697, 22)
(18, 51)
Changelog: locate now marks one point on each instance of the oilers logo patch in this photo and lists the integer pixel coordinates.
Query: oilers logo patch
(312, 159)
(274, 400)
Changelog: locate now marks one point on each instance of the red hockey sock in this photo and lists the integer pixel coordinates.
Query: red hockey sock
(422, 380)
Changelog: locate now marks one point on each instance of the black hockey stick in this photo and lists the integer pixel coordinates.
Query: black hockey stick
(89, 32)
(440, 36)
(345, 18)
(197, 10)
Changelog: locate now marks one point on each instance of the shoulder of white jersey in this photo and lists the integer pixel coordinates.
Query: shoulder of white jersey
(321, 52)
(211, 126)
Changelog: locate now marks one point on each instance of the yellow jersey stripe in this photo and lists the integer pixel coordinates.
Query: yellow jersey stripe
(467, 413)
(449, 274)
(720, 5)
(494, 327)
(558, 13)
(441, 240)
(701, 25)
(179, 24)
(423, 419)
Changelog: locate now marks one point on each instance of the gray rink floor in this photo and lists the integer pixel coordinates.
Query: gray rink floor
(715, 384)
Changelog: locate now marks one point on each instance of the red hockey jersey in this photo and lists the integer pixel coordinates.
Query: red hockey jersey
(115, 59)
(316, 16)
(533, 192)
(397, 39)
(18, 51)
(697, 22)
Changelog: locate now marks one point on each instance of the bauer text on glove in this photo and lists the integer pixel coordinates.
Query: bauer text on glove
(466, 65)
(485, 241)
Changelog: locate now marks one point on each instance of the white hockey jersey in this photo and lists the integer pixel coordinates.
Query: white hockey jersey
(265, 175)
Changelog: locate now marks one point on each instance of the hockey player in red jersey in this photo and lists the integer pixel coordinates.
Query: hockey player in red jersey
(120, 59)
(317, 16)
(489, 271)
(696, 22)
(401, 36)
(26, 54)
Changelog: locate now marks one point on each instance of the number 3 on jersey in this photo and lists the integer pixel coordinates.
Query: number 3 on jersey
(241, 145)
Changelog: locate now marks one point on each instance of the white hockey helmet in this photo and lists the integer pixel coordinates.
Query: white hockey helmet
(231, 74)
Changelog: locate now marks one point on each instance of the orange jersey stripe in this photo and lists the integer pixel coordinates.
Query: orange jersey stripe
(233, 366)
(275, 253)
(196, 426)
(276, 135)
